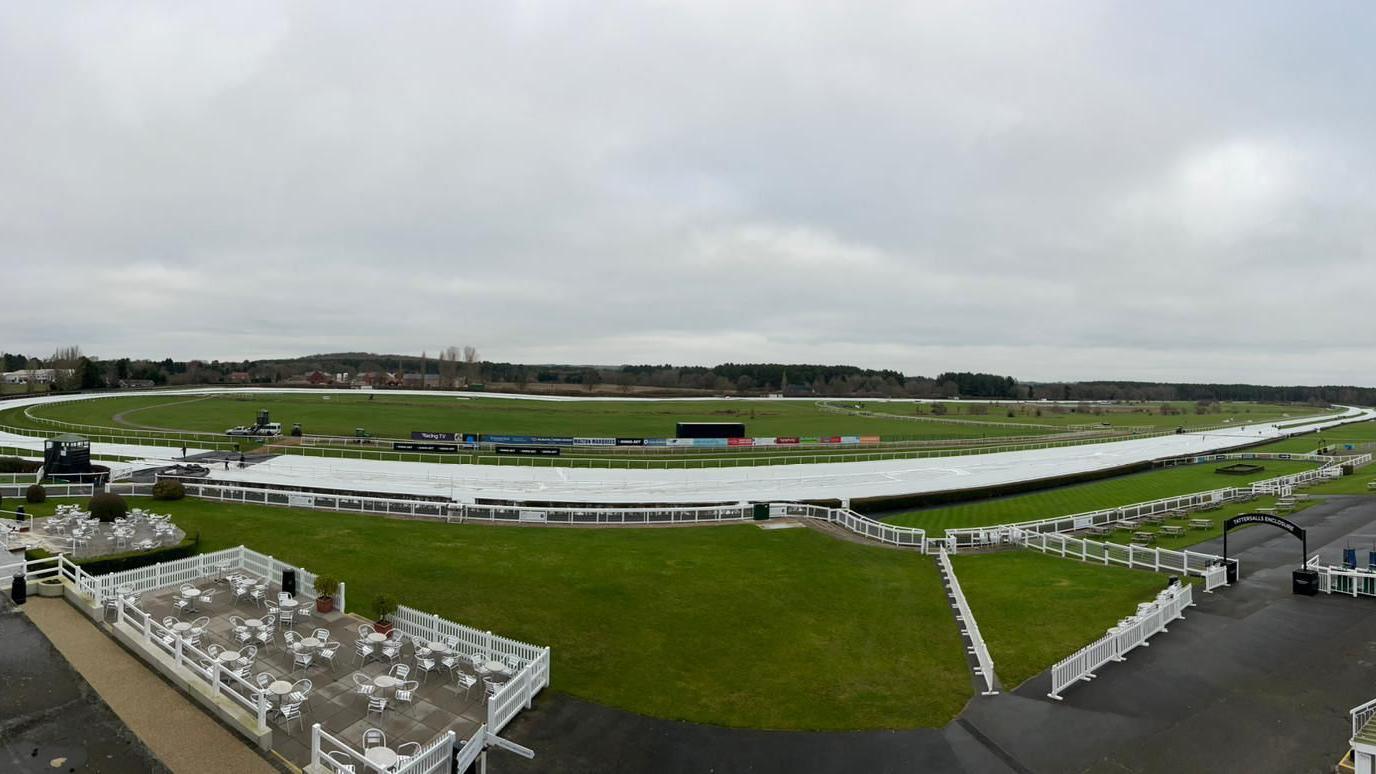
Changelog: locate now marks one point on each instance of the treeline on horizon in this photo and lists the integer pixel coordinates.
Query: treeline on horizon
(791, 379)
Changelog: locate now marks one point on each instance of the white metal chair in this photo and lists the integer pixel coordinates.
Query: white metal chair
(373, 737)
(363, 686)
(290, 712)
(465, 681)
(338, 762)
(301, 659)
(321, 634)
(406, 692)
(492, 687)
(363, 651)
(377, 704)
(400, 671)
(327, 653)
(406, 751)
(425, 666)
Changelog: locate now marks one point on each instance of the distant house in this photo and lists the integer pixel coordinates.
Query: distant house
(318, 377)
(240, 377)
(35, 375)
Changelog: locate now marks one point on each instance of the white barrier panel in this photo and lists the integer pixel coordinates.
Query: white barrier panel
(1130, 633)
(971, 627)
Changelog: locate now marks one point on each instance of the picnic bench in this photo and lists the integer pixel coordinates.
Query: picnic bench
(1173, 529)
(1100, 530)
(1201, 524)
(1156, 518)
(1128, 524)
(1211, 507)
(1144, 537)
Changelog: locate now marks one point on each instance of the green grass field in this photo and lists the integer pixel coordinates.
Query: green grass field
(390, 415)
(728, 625)
(1062, 606)
(1146, 415)
(1078, 498)
(1335, 438)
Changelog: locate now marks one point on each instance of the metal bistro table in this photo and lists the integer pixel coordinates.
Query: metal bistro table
(385, 757)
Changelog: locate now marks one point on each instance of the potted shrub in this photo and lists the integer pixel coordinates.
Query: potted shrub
(325, 589)
(36, 494)
(383, 607)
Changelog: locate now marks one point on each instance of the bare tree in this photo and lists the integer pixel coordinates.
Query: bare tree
(470, 363)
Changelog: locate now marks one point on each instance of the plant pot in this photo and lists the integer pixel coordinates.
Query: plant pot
(382, 627)
(50, 587)
(324, 604)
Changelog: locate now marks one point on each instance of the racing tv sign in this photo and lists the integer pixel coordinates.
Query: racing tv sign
(421, 435)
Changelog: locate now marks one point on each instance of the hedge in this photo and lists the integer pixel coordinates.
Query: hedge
(103, 565)
(17, 465)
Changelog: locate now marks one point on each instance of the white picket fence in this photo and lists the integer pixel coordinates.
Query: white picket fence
(970, 628)
(972, 537)
(534, 661)
(1149, 619)
(194, 568)
(1185, 562)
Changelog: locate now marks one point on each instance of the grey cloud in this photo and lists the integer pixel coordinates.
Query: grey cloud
(1057, 190)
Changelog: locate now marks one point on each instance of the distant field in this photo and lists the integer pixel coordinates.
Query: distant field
(1361, 432)
(1034, 609)
(1125, 415)
(1078, 498)
(397, 415)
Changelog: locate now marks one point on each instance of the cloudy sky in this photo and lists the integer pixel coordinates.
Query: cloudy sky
(1132, 190)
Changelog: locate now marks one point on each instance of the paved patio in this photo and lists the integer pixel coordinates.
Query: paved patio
(102, 540)
(440, 704)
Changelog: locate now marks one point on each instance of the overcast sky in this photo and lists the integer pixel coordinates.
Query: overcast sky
(1175, 191)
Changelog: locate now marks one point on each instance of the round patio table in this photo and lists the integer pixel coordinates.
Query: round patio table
(496, 667)
(309, 642)
(375, 638)
(191, 593)
(385, 757)
(279, 688)
(227, 656)
(386, 682)
(254, 623)
(181, 626)
(288, 604)
(438, 647)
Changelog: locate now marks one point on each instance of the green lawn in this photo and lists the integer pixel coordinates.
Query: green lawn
(1335, 438)
(730, 625)
(391, 415)
(1144, 415)
(1035, 610)
(1079, 498)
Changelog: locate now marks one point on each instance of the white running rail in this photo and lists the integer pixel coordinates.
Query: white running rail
(969, 627)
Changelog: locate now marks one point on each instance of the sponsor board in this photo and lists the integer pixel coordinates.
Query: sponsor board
(435, 448)
(531, 451)
(785, 440)
(734, 441)
(869, 439)
(630, 442)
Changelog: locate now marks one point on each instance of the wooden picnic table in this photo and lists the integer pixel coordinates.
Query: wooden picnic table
(1201, 524)
(1144, 537)
(1156, 518)
(1126, 524)
(1172, 529)
(1100, 530)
